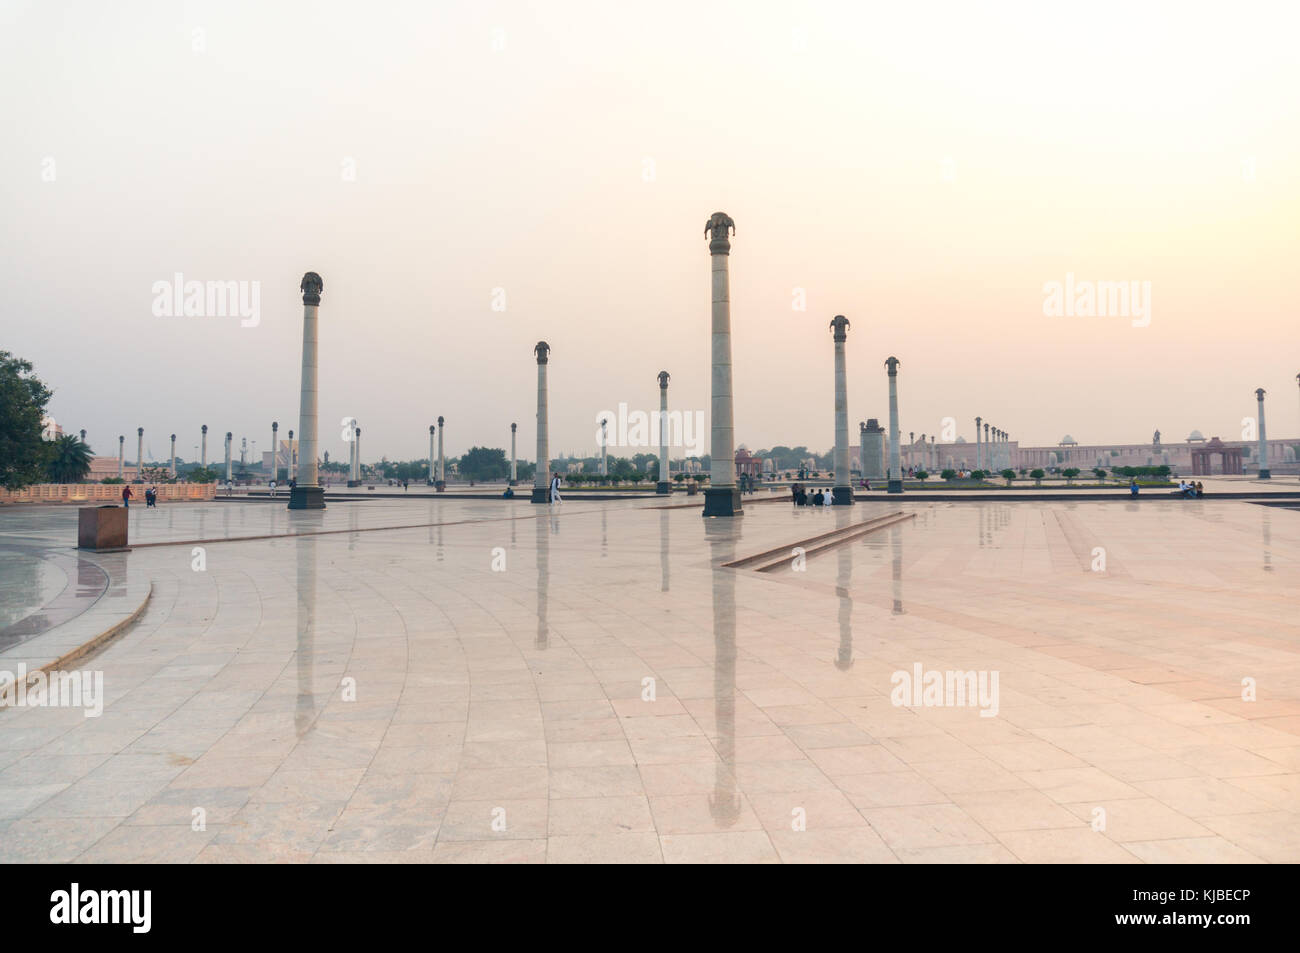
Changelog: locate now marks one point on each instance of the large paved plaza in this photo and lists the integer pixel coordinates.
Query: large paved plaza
(505, 682)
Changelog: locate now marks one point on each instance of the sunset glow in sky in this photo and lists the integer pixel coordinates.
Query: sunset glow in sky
(924, 170)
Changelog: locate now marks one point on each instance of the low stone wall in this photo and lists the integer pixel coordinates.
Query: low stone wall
(105, 493)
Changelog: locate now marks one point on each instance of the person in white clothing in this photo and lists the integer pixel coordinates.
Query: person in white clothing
(555, 489)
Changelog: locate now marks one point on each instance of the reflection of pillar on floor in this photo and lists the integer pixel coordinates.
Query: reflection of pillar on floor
(724, 802)
(843, 592)
(543, 581)
(896, 550)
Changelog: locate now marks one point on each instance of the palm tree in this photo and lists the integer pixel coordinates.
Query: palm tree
(71, 460)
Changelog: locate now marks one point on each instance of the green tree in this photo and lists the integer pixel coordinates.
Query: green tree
(1008, 475)
(200, 475)
(1099, 473)
(69, 460)
(24, 454)
(484, 463)
(948, 474)
(922, 475)
(1070, 473)
(1038, 475)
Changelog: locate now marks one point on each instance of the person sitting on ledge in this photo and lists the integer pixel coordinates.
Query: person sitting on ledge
(509, 494)
(1132, 486)
(1200, 490)
(818, 498)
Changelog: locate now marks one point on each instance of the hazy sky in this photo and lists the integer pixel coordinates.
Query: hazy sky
(923, 169)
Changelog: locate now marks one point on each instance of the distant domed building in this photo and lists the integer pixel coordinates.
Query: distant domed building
(960, 440)
(1196, 437)
(1068, 441)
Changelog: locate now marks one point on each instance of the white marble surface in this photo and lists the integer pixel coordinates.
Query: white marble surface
(515, 696)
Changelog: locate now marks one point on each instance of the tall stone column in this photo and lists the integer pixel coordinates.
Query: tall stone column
(432, 457)
(441, 484)
(1264, 473)
(862, 448)
(722, 496)
(664, 484)
(203, 459)
(275, 451)
(229, 437)
(293, 458)
(911, 448)
(173, 456)
(139, 453)
(895, 471)
(514, 457)
(307, 493)
(121, 456)
(604, 448)
(933, 456)
(352, 454)
(356, 439)
(979, 454)
(842, 491)
(542, 472)
(988, 448)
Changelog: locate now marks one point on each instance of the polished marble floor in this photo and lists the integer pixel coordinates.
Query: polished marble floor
(499, 683)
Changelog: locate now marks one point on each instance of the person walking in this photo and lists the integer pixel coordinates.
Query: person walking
(126, 496)
(555, 488)
(272, 489)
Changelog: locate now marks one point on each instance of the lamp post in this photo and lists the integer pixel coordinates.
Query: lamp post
(722, 497)
(842, 491)
(307, 493)
(895, 472)
(664, 484)
(1264, 473)
(441, 484)
(542, 472)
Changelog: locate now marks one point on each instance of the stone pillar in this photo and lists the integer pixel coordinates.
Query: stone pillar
(664, 484)
(842, 491)
(1264, 473)
(514, 457)
(862, 449)
(874, 451)
(229, 437)
(722, 497)
(203, 459)
(911, 448)
(895, 472)
(979, 454)
(121, 456)
(173, 456)
(432, 457)
(988, 448)
(604, 448)
(139, 453)
(441, 483)
(934, 456)
(293, 458)
(275, 451)
(308, 494)
(542, 472)
(356, 439)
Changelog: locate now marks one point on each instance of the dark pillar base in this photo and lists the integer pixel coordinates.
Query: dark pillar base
(440, 486)
(1265, 474)
(722, 501)
(541, 494)
(842, 496)
(514, 482)
(354, 482)
(895, 486)
(307, 498)
(663, 488)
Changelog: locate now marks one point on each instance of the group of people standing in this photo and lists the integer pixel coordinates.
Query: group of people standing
(150, 497)
(799, 496)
